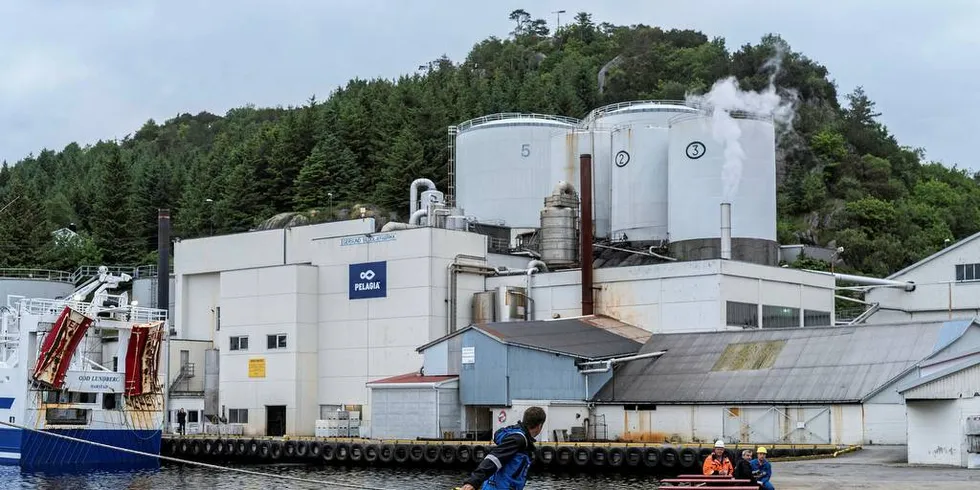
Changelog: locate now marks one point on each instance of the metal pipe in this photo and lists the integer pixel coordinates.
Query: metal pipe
(908, 286)
(585, 184)
(394, 225)
(453, 270)
(726, 230)
(532, 267)
(648, 253)
(607, 364)
(414, 193)
(416, 216)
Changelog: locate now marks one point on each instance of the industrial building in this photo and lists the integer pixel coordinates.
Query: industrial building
(496, 363)
(348, 328)
(943, 406)
(947, 285)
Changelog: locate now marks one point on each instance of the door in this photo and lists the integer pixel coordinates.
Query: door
(275, 420)
(185, 358)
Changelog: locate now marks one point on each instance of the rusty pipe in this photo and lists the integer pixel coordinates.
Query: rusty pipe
(585, 185)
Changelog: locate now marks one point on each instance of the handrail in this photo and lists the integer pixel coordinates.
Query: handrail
(599, 112)
(500, 116)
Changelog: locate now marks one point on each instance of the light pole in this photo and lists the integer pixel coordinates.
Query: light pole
(558, 19)
(330, 197)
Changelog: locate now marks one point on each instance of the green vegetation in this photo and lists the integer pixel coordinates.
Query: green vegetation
(845, 181)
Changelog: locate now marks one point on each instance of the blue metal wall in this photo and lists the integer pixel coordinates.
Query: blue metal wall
(503, 373)
(485, 381)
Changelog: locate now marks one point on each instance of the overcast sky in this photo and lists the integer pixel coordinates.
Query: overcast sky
(83, 70)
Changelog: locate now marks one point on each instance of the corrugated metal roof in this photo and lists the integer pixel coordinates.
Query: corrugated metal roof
(588, 337)
(572, 336)
(950, 383)
(817, 365)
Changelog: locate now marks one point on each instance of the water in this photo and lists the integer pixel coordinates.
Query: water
(178, 477)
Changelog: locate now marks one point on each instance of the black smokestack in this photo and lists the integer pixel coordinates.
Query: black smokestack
(163, 265)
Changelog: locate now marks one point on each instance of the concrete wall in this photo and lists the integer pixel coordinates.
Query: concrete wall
(363, 340)
(195, 353)
(755, 424)
(677, 297)
(198, 262)
(937, 431)
(257, 303)
(937, 296)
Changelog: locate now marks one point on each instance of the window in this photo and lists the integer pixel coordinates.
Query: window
(192, 416)
(780, 317)
(968, 272)
(742, 314)
(277, 341)
(238, 343)
(111, 401)
(66, 416)
(812, 318)
(237, 415)
(115, 363)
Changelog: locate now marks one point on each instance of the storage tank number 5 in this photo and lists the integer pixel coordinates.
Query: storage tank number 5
(695, 150)
(525, 150)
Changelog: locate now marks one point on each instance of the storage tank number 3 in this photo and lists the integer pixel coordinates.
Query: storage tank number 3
(695, 150)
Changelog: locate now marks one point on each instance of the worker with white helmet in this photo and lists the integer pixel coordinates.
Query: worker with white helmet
(717, 463)
(762, 468)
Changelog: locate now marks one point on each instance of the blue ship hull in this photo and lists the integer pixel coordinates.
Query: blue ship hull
(34, 450)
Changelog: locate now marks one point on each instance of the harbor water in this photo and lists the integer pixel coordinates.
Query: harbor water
(190, 477)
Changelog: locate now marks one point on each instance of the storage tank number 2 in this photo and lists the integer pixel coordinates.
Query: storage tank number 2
(695, 150)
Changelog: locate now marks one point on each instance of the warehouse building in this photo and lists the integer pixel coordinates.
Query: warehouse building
(833, 385)
(943, 406)
(493, 370)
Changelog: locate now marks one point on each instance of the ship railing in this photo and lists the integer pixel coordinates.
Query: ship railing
(43, 306)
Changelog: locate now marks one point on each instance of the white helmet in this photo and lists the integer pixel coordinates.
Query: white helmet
(720, 443)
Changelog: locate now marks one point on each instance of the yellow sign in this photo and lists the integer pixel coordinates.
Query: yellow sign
(256, 368)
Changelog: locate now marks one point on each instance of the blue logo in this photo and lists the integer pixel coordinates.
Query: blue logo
(368, 280)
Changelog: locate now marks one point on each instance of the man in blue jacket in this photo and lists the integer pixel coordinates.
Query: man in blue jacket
(763, 468)
(505, 468)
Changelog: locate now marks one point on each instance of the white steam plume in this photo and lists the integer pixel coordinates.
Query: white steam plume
(726, 97)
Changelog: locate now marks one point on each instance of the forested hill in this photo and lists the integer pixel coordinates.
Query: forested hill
(844, 177)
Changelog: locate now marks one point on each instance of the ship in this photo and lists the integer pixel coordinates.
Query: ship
(80, 379)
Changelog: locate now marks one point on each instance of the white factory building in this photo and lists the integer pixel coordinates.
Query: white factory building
(947, 285)
(303, 324)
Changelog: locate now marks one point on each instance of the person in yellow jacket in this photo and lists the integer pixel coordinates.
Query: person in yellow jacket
(718, 463)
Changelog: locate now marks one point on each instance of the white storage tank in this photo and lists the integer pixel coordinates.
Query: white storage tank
(638, 169)
(697, 188)
(566, 149)
(503, 166)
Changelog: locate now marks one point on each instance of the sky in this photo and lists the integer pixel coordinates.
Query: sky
(98, 69)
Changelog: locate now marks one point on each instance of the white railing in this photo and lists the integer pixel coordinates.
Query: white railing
(514, 115)
(601, 111)
(137, 314)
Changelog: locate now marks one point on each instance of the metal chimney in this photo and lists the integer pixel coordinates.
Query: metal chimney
(163, 264)
(726, 230)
